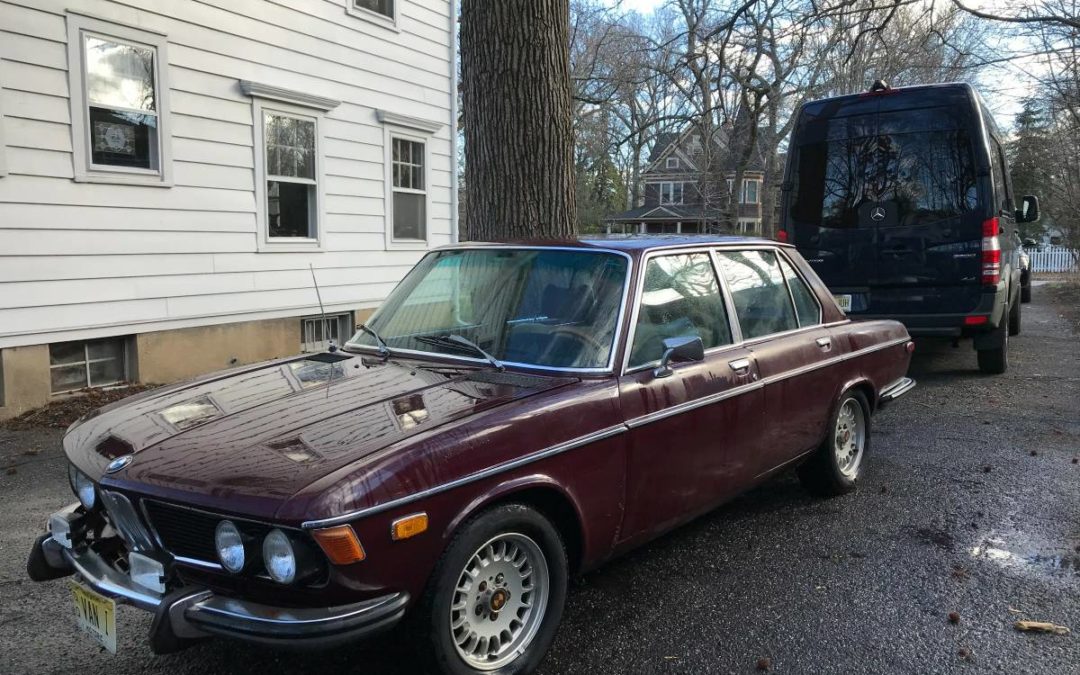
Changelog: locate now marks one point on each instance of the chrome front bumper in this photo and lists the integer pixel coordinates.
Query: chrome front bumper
(192, 613)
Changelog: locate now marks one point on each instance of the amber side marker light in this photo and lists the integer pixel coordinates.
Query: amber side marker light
(409, 526)
(340, 544)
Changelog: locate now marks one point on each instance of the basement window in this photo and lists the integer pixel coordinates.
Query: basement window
(94, 363)
(316, 332)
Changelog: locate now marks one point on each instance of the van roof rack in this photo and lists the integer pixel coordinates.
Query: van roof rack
(879, 85)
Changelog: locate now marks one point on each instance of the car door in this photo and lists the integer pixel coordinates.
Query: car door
(780, 321)
(688, 429)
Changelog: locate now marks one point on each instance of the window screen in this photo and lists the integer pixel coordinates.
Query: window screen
(757, 287)
(680, 297)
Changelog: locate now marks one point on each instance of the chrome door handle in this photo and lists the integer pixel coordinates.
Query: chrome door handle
(825, 343)
(740, 366)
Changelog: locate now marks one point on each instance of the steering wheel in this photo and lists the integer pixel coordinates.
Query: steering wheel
(581, 335)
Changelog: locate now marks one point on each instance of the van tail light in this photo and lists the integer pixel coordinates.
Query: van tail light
(781, 236)
(976, 320)
(991, 252)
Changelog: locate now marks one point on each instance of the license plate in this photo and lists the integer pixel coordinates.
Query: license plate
(96, 615)
(844, 301)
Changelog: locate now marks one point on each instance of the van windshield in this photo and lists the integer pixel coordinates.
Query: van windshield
(917, 165)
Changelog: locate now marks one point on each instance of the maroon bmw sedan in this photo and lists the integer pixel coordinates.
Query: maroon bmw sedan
(513, 414)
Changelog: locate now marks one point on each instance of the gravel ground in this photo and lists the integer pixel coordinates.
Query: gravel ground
(970, 505)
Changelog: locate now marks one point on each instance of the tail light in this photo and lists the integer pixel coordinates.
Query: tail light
(991, 252)
(781, 236)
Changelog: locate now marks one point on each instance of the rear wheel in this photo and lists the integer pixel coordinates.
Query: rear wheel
(836, 465)
(995, 359)
(494, 601)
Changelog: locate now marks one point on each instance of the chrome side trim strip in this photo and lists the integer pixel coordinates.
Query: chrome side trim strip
(832, 361)
(471, 478)
(692, 405)
(896, 390)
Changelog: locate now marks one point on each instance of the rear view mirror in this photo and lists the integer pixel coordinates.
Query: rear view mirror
(1029, 210)
(686, 348)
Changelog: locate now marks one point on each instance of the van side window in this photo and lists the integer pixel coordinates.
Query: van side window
(1001, 177)
(806, 306)
(762, 302)
(680, 297)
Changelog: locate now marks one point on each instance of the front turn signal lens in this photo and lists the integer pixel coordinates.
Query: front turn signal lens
(409, 526)
(340, 544)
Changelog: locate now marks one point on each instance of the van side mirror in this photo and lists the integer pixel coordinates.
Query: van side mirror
(1029, 210)
(685, 348)
(1030, 243)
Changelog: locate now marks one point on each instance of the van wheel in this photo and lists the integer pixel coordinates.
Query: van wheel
(494, 601)
(995, 360)
(1025, 293)
(1014, 319)
(836, 465)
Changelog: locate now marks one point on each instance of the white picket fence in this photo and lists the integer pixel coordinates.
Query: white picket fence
(1054, 259)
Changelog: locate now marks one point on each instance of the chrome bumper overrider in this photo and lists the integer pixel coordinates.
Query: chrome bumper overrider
(896, 390)
(194, 612)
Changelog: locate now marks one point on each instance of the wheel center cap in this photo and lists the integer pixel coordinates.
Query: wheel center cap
(498, 599)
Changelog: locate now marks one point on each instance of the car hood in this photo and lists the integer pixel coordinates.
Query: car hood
(245, 440)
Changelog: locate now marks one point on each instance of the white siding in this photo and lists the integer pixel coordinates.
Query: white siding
(87, 259)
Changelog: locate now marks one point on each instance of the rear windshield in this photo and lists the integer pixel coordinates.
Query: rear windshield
(918, 165)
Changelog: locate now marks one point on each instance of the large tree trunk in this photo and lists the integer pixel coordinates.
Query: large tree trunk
(515, 78)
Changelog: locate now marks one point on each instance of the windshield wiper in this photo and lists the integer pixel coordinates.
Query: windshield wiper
(462, 341)
(384, 350)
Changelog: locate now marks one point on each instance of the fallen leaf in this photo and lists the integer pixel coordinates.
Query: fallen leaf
(1041, 627)
(954, 617)
(764, 663)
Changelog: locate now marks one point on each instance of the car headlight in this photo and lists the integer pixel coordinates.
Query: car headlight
(230, 546)
(279, 557)
(83, 487)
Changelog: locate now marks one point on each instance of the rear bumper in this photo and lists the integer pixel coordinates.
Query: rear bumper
(192, 613)
(895, 391)
(991, 305)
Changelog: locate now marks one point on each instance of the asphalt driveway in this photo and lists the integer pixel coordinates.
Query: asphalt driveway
(971, 505)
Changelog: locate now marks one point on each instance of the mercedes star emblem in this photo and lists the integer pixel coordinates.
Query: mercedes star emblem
(878, 214)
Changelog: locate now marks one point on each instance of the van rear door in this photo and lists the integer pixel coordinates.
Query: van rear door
(886, 201)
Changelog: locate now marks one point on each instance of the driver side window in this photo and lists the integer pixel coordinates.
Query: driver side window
(680, 297)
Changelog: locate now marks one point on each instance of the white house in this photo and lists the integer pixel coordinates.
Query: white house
(170, 169)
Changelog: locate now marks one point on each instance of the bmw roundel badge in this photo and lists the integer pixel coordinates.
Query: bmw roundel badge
(119, 463)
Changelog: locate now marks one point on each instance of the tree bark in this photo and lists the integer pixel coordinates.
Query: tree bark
(516, 95)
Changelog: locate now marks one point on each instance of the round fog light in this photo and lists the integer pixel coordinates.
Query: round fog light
(279, 557)
(230, 546)
(83, 487)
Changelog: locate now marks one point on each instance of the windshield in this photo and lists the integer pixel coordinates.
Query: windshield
(543, 307)
(915, 166)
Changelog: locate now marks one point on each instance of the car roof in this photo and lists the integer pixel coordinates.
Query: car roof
(911, 89)
(635, 244)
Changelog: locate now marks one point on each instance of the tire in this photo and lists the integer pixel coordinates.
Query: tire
(995, 360)
(1014, 319)
(1025, 293)
(824, 474)
(474, 543)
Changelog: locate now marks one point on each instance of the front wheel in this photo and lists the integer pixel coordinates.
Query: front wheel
(494, 601)
(836, 465)
(1025, 293)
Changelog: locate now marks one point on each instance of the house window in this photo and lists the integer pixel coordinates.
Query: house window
(750, 192)
(384, 7)
(94, 363)
(382, 12)
(291, 178)
(671, 193)
(672, 162)
(316, 332)
(119, 103)
(407, 164)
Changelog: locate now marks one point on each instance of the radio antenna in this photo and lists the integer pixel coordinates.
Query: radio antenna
(322, 311)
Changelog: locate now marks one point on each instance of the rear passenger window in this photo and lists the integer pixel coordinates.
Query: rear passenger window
(680, 297)
(806, 306)
(762, 303)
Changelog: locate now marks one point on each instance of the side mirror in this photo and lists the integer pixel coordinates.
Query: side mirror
(1030, 243)
(686, 348)
(1029, 210)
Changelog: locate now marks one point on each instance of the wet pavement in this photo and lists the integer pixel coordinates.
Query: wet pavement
(971, 505)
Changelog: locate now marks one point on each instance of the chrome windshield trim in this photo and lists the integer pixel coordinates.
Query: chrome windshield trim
(550, 451)
(615, 340)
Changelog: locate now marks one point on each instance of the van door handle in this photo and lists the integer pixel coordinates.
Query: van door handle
(740, 366)
(825, 343)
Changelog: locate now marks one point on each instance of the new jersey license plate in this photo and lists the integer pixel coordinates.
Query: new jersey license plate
(96, 615)
(844, 301)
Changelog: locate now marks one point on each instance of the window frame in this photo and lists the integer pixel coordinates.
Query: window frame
(786, 259)
(125, 364)
(259, 108)
(671, 163)
(682, 192)
(340, 318)
(391, 133)
(757, 191)
(79, 27)
(377, 18)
